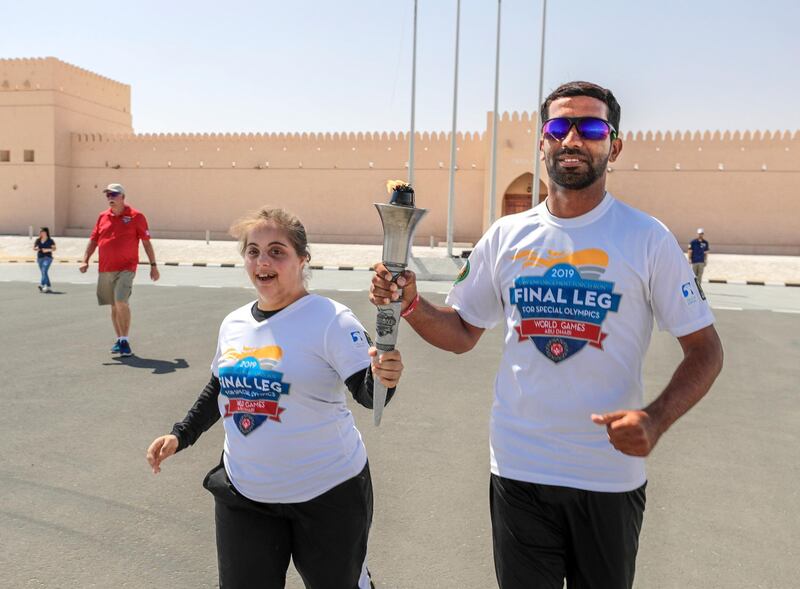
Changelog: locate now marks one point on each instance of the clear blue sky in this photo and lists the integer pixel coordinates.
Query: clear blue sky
(302, 65)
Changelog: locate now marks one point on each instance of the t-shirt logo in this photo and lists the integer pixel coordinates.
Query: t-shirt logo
(689, 295)
(563, 310)
(463, 274)
(360, 339)
(252, 386)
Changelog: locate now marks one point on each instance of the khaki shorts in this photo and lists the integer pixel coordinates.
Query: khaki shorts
(114, 287)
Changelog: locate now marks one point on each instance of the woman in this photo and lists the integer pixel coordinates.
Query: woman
(294, 480)
(44, 247)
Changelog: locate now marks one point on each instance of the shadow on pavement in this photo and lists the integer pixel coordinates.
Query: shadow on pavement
(157, 366)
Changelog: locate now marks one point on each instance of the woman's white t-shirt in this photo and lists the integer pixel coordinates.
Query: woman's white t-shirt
(289, 435)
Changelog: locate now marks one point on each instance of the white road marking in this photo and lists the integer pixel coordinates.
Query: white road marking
(722, 308)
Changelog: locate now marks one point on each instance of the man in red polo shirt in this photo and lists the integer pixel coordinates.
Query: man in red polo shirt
(117, 233)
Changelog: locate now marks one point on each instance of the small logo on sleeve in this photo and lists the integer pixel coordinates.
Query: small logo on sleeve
(463, 274)
(360, 339)
(689, 293)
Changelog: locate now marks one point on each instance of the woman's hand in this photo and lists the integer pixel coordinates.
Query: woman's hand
(387, 367)
(162, 448)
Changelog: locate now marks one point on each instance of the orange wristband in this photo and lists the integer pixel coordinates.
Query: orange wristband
(411, 307)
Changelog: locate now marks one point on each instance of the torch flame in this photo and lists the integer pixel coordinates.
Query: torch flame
(400, 185)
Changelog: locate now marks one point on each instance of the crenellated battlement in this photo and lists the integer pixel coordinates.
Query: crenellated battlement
(708, 136)
(639, 137)
(354, 150)
(515, 118)
(51, 74)
(310, 138)
(644, 150)
(40, 62)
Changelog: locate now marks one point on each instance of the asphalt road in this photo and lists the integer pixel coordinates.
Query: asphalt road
(80, 508)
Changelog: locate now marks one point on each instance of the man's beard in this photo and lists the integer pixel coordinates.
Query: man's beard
(574, 178)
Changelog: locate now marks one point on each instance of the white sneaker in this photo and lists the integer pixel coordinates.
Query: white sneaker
(46, 289)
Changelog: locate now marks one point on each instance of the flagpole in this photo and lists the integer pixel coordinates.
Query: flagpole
(537, 162)
(452, 196)
(493, 170)
(413, 100)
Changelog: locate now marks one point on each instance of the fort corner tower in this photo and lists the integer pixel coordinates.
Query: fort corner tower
(42, 102)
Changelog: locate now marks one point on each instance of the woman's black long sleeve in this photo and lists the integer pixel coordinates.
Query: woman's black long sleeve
(203, 414)
(361, 386)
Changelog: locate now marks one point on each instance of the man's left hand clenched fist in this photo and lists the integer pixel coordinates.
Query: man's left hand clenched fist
(630, 432)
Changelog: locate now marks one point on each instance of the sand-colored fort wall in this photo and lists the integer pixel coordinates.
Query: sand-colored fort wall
(204, 182)
(741, 187)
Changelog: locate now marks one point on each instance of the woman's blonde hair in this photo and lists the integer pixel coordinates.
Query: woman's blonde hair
(281, 218)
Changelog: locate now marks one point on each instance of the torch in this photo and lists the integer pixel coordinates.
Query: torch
(399, 218)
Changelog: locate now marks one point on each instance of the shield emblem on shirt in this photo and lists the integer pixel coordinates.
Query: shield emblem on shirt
(561, 311)
(253, 393)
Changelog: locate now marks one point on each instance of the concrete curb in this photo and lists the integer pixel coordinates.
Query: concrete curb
(190, 264)
(422, 275)
(751, 282)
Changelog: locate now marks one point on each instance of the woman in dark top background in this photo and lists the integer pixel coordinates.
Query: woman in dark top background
(44, 246)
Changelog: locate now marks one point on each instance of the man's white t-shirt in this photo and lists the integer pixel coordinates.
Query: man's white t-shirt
(578, 297)
(289, 435)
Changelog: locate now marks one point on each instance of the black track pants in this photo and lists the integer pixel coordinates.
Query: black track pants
(326, 536)
(544, 534)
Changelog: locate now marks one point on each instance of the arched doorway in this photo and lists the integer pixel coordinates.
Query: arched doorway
(519, 194)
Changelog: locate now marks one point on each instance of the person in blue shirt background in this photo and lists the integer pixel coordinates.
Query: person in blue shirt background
(44, 246)
(698, 254)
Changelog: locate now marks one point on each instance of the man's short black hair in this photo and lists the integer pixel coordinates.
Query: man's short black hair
(577, 88)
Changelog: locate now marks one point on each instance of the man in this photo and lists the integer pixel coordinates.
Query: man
(698, 255)
(117, 232)
(577, 281)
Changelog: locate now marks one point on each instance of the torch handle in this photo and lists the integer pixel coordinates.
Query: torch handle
(387, 326)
